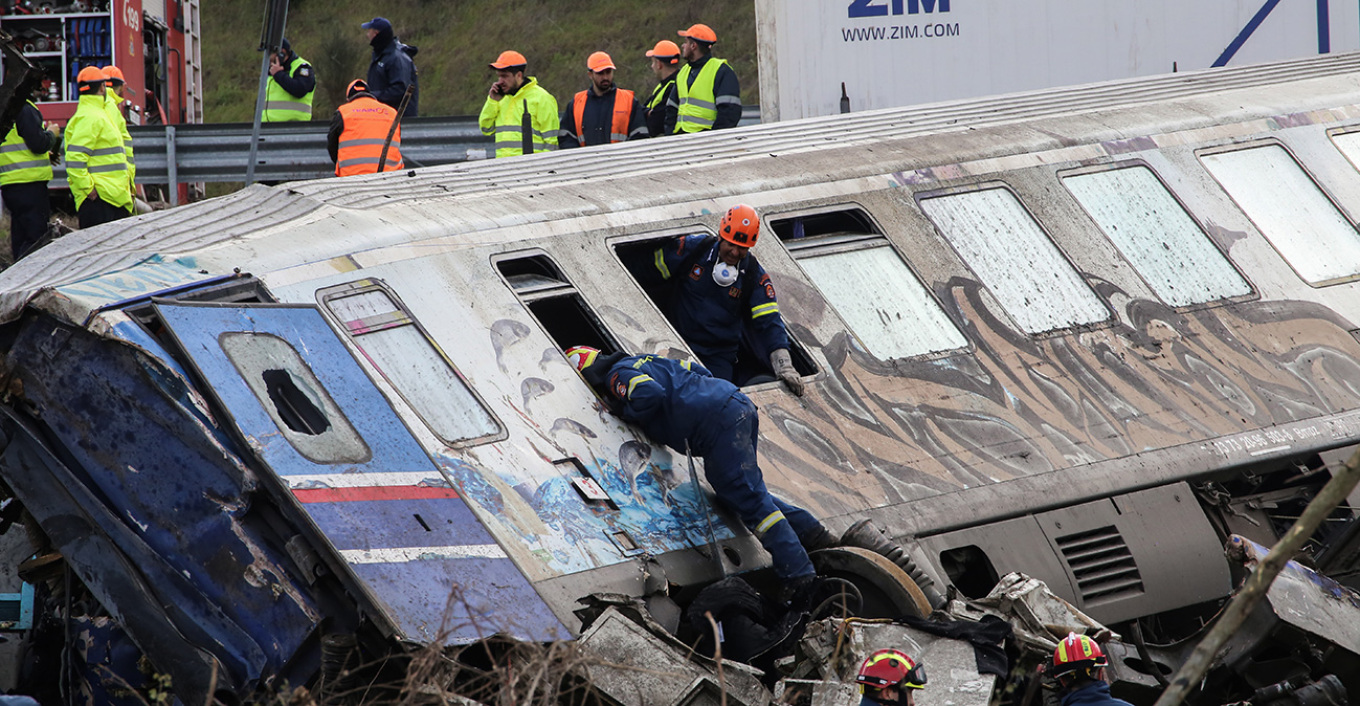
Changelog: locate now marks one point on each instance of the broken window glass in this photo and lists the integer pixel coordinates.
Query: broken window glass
(404, 354)
(1155, 234)
(293, 397)
(1015, 259)
(1291, 211)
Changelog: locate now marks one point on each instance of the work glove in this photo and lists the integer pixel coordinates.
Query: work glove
(782, 363)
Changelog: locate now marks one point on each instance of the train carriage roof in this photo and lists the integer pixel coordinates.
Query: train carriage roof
(266, 229)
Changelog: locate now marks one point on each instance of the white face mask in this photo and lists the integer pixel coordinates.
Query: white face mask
(725, 274)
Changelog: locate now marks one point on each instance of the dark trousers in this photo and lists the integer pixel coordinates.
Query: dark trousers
(29, 210)
(94, 211)
(728, 447)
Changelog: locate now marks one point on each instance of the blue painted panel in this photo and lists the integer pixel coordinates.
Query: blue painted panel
(450, 520)
(469, 598)
(374, 516)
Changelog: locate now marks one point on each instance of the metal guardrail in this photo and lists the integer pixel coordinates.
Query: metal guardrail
(219, 152)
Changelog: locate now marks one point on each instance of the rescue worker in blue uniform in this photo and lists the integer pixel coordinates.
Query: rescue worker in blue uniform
(720, 298)
(681, 405)
(1079, 669)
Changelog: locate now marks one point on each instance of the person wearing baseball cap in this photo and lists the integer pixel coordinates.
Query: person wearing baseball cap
(518, 113)
(603, 113)
(665, 58)
(393, 68)
(709, 93)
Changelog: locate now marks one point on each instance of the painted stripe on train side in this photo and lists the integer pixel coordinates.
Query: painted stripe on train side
(385, 492)
(398, 555)
(365, 480)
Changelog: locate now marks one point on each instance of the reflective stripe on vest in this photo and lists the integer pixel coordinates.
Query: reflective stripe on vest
(20, 165)
(509, 137)
(623, 110)
(698, 107)
(366, 124)
(282, 106)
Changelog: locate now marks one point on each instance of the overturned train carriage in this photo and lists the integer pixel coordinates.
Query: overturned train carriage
(1085, 333)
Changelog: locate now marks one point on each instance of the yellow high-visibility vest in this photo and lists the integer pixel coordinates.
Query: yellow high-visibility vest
(698, 105)
(282, 106)
(19, 164)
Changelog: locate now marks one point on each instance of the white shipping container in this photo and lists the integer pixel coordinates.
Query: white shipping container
(903, 52)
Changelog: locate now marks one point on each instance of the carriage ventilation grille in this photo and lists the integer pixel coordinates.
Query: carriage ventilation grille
(1102, 564)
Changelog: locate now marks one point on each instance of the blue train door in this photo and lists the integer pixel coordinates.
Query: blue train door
(334, 445)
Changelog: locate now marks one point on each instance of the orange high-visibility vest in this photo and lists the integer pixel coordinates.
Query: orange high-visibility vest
(623, 109)
(366, 124)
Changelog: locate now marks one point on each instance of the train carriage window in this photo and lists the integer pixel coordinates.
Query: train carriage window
(864, 279)
(1154, 233)
(1290, 210)
(294, 398)
(640, 258)
(1015, 259)
(405, 355)
(555, 303)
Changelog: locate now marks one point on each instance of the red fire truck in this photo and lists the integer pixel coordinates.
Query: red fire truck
(154, 42)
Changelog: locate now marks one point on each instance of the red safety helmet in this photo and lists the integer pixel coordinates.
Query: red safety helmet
(1077, 653)
(581, 357)
(888, 668)
(740, 226)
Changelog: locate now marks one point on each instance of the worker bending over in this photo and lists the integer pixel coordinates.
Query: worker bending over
(681, 405)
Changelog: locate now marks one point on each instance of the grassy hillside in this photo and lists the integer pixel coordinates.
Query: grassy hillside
(457, 38)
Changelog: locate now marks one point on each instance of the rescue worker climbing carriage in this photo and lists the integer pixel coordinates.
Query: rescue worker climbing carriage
(723, 302)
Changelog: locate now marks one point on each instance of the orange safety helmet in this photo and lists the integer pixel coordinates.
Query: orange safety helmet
(700, 33)
(890, 668)
(599, 61)
(509, 59)
(666, 52)
(740, 226)
(355, 87)
(113, 73)
(90, 79)
(1077, 653)
(581, 357)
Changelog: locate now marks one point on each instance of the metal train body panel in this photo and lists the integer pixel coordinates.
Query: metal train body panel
(1005, 432)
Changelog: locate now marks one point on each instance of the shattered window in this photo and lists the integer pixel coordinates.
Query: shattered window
(1291, 211)
(394, 343)
(864, 279)
(293, 397)
(1155, 234)
(1015, 259)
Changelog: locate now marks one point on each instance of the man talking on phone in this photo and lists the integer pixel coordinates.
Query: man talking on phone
(518, 113)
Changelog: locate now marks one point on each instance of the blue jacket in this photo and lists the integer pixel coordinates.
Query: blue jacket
(1097, 693)
(391, 70)
(671, 400)
(711, 318)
